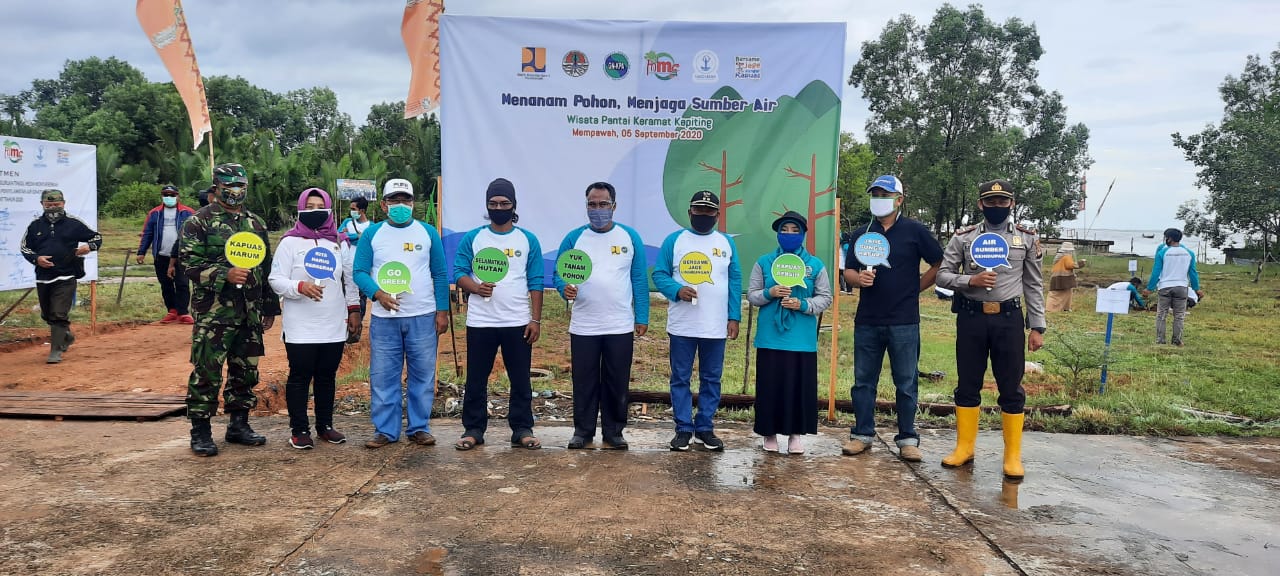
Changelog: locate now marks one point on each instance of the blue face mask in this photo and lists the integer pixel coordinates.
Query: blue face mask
(600, 218)
(790, 241)
(400, 213)
(169, 201)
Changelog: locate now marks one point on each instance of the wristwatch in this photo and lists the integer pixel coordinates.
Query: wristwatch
(1039, 329)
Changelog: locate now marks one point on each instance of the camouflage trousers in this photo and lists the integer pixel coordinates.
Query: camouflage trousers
(216, 343)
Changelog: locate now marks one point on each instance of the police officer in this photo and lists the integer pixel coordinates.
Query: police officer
(989, 307)
(233, 307)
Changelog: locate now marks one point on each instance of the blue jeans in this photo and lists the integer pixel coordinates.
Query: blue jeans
(393, 343)
(710, 353)
(870, 343)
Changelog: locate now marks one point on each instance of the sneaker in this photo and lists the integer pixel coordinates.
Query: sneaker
(709, 440)
(170, 317)
(186, 319)
(910, 453)
(378, 441)
(302, 441)
(680, 442)
(422, 438)
(855, 446)
(328, 434)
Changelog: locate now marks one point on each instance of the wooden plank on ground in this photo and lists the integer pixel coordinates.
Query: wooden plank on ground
(98, 405)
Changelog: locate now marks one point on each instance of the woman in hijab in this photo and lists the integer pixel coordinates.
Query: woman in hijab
(1063, 278)
(787, 340)
(321, 308)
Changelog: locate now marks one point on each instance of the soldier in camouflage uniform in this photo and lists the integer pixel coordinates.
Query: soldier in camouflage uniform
(990, 306)
(230, 319)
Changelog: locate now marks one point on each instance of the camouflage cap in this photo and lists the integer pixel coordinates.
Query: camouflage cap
(52, 195)
(226, 174)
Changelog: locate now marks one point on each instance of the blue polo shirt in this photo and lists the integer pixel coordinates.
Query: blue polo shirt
(895, 297)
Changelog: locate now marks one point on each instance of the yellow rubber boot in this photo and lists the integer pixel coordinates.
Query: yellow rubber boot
(1012, 445)
(966, 435)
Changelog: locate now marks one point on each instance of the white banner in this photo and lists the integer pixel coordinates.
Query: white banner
(27, 168)
(660, 110)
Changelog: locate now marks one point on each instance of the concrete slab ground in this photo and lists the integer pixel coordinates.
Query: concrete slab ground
(128, 498)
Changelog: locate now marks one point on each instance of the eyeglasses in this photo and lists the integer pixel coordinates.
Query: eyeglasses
(599, 205)
(500, 205)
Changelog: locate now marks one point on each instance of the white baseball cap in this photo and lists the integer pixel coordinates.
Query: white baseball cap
(397, 186)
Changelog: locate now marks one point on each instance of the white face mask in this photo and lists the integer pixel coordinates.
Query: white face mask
(881, 207)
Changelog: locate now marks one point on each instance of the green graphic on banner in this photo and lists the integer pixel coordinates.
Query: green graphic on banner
(490, 265)
(788, 270)
(573, 266)
(394, 278)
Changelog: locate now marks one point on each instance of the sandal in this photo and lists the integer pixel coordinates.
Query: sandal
(529, 442)
(467, 443)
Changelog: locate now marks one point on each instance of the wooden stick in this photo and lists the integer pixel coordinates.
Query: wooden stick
(93, 306)
(15, 304)
(123, 274)
(746, 353)
(835, 323)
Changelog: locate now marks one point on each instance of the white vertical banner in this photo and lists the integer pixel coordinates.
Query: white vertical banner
(27, 168)
(661, 110)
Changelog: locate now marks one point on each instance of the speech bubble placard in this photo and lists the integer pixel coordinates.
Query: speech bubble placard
(872, 249)
(394, 278)
(573, 266)
(245, 250)
(320, 263)
(490, 265)
(990, 250)
(695, 268)
(788, 270)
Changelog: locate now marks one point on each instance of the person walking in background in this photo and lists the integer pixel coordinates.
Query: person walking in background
(56, 243)
(1062, 278)
(989, 306)
(233, 306)
(610, 310)
(351, 228)
(317, 316)
(404, 329)
(787, 340)
(888, 317)
(703, 311)
(1173, 273)
(160, 233)
(506, 315)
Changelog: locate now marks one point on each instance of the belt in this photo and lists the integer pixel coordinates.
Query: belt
(1011, 305)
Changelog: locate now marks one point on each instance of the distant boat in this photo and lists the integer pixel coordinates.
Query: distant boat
(1148, 235)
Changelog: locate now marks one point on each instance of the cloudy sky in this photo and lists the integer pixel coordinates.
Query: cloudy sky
(1133, 71)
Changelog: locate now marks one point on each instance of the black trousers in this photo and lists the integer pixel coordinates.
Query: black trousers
(55, 301)
(601, 378)
(482, 347)
(999, 337)
(175, 291)
(311, 363)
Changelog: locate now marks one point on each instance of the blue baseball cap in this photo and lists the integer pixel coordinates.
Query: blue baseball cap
(888, 183)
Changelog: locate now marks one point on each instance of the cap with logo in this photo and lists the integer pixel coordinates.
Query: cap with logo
(995, 188)
(705, 199)
(397, 187)
(169, 188)
(52, 195)
(888, 183)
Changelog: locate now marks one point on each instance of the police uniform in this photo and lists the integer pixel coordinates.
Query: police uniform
(992, 324)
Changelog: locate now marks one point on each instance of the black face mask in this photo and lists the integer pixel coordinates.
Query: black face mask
(313, 219)
(702, 223)
(996, 215)
(501, 217)
(54, 214)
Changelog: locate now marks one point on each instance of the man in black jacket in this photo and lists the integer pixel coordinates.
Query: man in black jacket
(53, 244)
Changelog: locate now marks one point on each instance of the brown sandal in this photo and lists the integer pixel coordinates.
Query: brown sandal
(528, 442)
(467, 443)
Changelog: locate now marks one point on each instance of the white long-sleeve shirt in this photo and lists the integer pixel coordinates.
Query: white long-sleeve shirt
(306, 321)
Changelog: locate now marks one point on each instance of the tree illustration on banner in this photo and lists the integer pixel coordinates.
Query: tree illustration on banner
(746, 156)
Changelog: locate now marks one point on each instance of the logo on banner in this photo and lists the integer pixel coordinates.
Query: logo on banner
(39, 163)
(64, 156)
(533, 62)
(706, 66)
(12, 151)
(575, 63)
(616, 65)
(660, 65)
(746, 67)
